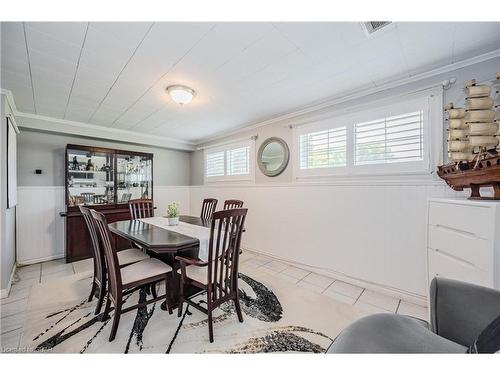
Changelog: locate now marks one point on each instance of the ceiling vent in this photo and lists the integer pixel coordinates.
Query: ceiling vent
(371, 27)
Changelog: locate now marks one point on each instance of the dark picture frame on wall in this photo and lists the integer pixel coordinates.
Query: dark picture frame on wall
(11, 163)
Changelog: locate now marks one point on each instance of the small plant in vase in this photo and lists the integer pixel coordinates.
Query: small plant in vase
(173, 213)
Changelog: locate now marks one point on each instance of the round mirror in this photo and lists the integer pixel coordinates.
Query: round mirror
(273, 156)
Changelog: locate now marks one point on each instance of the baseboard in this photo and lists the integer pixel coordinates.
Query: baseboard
(5, 292)
(397, 293)
(40, 260)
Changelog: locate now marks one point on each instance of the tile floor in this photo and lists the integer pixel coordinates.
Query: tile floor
(13, 308)
(348, 293)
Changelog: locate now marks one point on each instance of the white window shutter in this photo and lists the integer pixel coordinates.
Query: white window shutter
(323, 149)
(215, 164)
(238, 161)
(393, 139)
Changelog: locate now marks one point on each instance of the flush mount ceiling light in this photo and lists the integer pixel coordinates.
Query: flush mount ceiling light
(181, 94)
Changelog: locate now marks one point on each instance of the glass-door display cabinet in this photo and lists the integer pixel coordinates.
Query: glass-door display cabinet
(104, 179)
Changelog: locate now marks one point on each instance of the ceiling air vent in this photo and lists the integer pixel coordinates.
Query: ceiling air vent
(374, 26)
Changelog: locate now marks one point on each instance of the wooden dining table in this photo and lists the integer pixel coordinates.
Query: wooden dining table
(164, 245)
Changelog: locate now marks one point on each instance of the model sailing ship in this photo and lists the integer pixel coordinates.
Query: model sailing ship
(473, 141)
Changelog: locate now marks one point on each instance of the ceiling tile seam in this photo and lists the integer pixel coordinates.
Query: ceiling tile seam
(121, 71)
(76, 70)
(402, 50)
(289, 40)
(453, 44)
(145, 118)
(240, 52)
(262, 68)
(163, 75)
(29, 67)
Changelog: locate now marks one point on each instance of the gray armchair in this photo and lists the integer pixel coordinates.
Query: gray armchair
(459, 312)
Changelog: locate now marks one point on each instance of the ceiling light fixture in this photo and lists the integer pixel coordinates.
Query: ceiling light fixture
(181, 94)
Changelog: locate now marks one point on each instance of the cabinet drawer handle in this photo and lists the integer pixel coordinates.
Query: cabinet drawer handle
(460, 260)
(461, 231)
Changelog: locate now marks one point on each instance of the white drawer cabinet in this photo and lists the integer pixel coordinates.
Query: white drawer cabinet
(463, 241)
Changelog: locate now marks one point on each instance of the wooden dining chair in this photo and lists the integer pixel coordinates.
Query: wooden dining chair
(219, 275)
(141, 208)
(232, 203)
(125, 280)
(208, 208)
(125, 257)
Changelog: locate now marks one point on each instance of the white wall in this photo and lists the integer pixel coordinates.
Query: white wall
(40, 234)
(371, 231)
(45, 151)
(40, 228)
(7, 216)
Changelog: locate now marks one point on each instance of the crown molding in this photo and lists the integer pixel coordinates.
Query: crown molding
(355, 94)
(54, 125)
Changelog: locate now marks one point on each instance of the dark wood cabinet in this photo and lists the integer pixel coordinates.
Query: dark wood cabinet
(102, 179)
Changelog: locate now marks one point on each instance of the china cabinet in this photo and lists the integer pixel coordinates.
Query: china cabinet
(105, 180)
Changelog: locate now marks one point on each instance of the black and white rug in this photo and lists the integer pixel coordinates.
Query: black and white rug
(278, 317)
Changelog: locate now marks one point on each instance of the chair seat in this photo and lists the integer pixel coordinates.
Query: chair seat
(197, 273)
(143, 270)
(391, 333)
(130, 256)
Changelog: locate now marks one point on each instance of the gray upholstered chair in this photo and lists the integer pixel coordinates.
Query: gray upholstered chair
(459, 312)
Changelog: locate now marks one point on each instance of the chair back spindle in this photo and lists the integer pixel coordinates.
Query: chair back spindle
(141, 208)
(208, 208)
(232, 203)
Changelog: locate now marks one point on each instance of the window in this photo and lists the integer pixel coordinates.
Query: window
(229, 162)
(395, 139)
(326, 148)
(215, 164)
(238, 161)
(391, 137)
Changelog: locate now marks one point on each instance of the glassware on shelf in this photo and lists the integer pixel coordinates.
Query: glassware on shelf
(93, 180)
(86, 184)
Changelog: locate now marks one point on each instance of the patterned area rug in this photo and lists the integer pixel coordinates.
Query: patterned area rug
(278, 317)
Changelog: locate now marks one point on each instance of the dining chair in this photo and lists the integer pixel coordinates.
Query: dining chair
(125, 280)
(208, 208)
(125, 257)
(141, 208)
(232, 203)
(219, 275)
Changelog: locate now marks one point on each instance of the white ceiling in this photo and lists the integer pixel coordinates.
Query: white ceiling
(115, 74)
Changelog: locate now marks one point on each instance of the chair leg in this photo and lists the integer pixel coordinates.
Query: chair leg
(181, 297)
(102, 293)
(92, 290)
(210, 318)
(238, 308)
(105, 314)
(168, 299)
(153, 289)
(116, 321)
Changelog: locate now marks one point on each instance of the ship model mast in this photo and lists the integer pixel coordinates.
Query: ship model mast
(473, 141)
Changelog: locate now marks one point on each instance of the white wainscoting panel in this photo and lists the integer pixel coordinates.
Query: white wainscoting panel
(374, 234)
(40, 228)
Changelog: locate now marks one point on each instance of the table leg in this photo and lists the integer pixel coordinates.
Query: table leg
(174, 280)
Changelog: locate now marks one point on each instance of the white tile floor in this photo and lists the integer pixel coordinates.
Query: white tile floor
(13, 308)
(365, 299)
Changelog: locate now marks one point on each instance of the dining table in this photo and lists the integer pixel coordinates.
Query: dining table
(163, 243)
